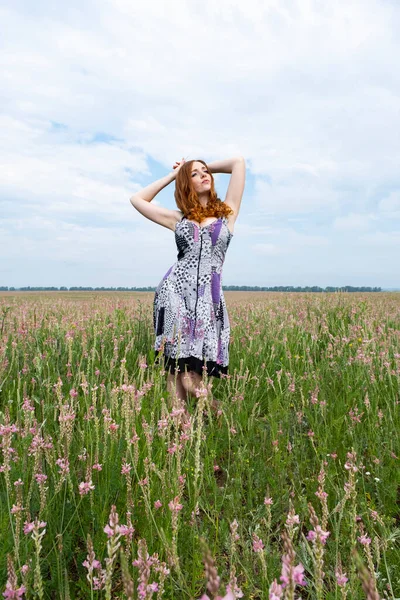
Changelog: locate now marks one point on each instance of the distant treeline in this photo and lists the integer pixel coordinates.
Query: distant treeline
(228, 288)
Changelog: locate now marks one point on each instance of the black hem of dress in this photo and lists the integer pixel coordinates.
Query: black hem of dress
(191, 363)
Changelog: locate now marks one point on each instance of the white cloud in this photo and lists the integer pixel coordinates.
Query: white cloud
(390, 204)
(354, 222)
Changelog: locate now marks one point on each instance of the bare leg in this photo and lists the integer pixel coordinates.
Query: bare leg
(176, 387)
(192, 381)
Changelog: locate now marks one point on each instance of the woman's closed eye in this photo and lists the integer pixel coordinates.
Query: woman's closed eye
(204, 171)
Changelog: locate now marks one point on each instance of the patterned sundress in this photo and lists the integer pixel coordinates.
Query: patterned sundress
(190, 317)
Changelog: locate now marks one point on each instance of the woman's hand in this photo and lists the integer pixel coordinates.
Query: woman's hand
(177, 166)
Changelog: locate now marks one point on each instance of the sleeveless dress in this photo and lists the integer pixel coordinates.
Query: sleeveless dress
(189, 312)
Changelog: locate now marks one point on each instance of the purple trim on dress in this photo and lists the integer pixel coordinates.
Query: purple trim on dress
(195, 233)
(201, 291)
(192, 329)
(219, 353)
(215, 287)
(215, 231)
(168, 272)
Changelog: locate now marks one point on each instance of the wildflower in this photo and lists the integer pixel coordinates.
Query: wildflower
(258, 544)
(126, 468)
(29, 527)
(341, 578)
(321, 495)
(174, 505)
(97, 467)
(176, 412)
(275, 591)
(364, 540)
(157, 504)
(40, 477)
(95, 564)
(16, 508)
(142, 362)
(63, 464)
(12, 592)
(162, 424)
(85, 487)
(234, 527)
(297, 573)
(318, 533)
(292, 519)
(268, 501)
(126, 531)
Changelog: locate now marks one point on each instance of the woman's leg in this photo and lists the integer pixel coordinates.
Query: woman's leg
(174, 386)
(190, 382)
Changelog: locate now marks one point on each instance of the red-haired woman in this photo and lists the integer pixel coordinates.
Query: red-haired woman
(190, 317)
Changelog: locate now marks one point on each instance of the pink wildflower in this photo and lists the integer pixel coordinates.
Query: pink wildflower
(318, 533)
(126, 468)
(275, 591)
(292, 519)
(174, 505)
(16, 508)
(258, 544)
(298, 575)
(126, 531)
(85, 487)
(364, 540)
(157, 504)
(295, 572)
(29, 527)
(14, 593)
(268, 501)
(341, 578)
(40, 477)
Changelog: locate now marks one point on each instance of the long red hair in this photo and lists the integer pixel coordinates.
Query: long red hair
(187, 199)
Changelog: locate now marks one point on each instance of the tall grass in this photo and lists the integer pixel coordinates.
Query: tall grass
(108, 491)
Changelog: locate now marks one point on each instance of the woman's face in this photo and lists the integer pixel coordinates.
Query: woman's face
(201, 178)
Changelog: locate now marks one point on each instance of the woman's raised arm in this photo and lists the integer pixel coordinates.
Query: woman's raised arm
(158, 214)
(234, 193)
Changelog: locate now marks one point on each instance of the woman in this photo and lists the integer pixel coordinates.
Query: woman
(190, 317)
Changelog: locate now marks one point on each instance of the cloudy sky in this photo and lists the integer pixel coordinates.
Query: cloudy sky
(98, 99)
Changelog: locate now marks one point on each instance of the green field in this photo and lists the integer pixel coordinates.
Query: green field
(307, 440)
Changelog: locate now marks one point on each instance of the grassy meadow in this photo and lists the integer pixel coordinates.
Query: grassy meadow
(292, 490)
